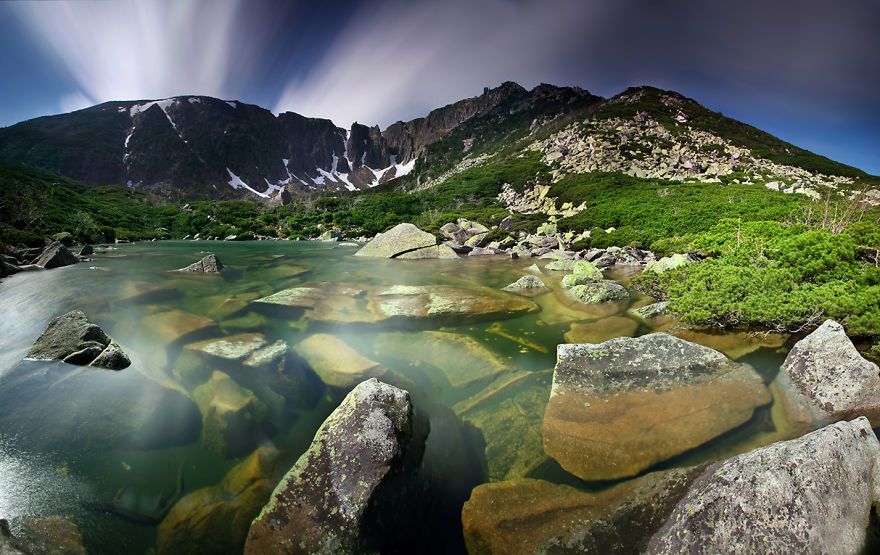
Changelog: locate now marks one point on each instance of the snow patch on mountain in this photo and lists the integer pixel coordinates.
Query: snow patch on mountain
(236, 183)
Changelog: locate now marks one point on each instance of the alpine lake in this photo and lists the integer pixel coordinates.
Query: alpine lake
(143, 459)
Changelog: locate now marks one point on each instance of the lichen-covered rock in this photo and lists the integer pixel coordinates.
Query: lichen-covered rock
(335, 362)
(435, 251)
(619, 407)
(535, 517)
(73, 339)
(598, 292)
(210, 264)
(216, 519)
(320, 505)
(56, 255)
(398, 240)
(560, 265)
(527, 285)
(808, 495)
(582, 273)
(824, 379)
(233, 419)
(653, 310)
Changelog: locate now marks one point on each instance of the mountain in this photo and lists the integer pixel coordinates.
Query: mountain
(196, 147)
(202, 147)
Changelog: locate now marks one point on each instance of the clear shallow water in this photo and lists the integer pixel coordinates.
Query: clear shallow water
(84, 444)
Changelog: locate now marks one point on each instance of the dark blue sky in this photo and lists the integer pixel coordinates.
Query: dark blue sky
(807, 71)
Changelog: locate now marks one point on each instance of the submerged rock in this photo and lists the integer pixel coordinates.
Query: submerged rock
(56, 255)
(398, 240)
(210, 264)
(462, 360)
(216, 519)
(824, 379)
(321, 504)
(337, 364)
(176, 326)
(808, 495)
(73, 339)
(534, 517)
(619, 407)
(598, 292)
(601, 330)
(331, 303)
(233, 419)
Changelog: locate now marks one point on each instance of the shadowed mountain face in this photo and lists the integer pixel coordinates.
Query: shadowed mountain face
(202, 147)
(196, 147)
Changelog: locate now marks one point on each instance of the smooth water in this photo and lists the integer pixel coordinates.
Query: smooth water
(85, 443)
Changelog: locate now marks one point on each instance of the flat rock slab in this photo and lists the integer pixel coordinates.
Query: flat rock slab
(824, 379)
(176, 326)
(619, 407)
(320, 504)
(462, 360)
(335, 362)
(233, 348)
(396, 304)
(808, 495)
(535, 517)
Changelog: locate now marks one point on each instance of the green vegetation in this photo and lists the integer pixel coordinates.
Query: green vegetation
(644, 211)
(765, 274)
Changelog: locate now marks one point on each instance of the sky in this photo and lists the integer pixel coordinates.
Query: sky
(807, 71)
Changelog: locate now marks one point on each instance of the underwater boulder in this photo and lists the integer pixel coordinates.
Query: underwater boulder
(335, 362)
(234, 420)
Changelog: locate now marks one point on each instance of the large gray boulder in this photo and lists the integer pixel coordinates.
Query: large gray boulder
(808, 495)
(619, 407)
(400, 239)
(320, 505)
(56, 255)
(73, 339)
(210, 264)
(824, 379)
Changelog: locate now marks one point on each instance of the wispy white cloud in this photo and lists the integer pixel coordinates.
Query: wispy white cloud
(131, 49)
(399, 58)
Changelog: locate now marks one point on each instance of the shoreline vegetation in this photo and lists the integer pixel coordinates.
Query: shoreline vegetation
(769, 261)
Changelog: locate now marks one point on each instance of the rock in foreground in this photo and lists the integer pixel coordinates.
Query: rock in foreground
(533, 516)
(808, 495)
(73, 339)
(824, 379)
(207, 265)
(320, 505)
(619, 407)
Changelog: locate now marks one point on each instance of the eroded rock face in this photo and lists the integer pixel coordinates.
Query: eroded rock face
(216, 519)
(210, 264)
(320, 504)
(619, 407)
(807, 495)
(400, 239)
(824, 379)
(533, 516)
(56, 255)
(73, 339)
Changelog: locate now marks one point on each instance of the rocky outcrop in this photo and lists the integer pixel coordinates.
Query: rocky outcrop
(56, 255)
(808, 495)
(619, 407)
(216, 519)
(73, 339)
(321, 504)
(335, 362)
(535, 517)
(210, 264)
(824, 379)
(404, 241)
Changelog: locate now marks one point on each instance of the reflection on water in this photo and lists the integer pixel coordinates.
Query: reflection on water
(113, 452)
